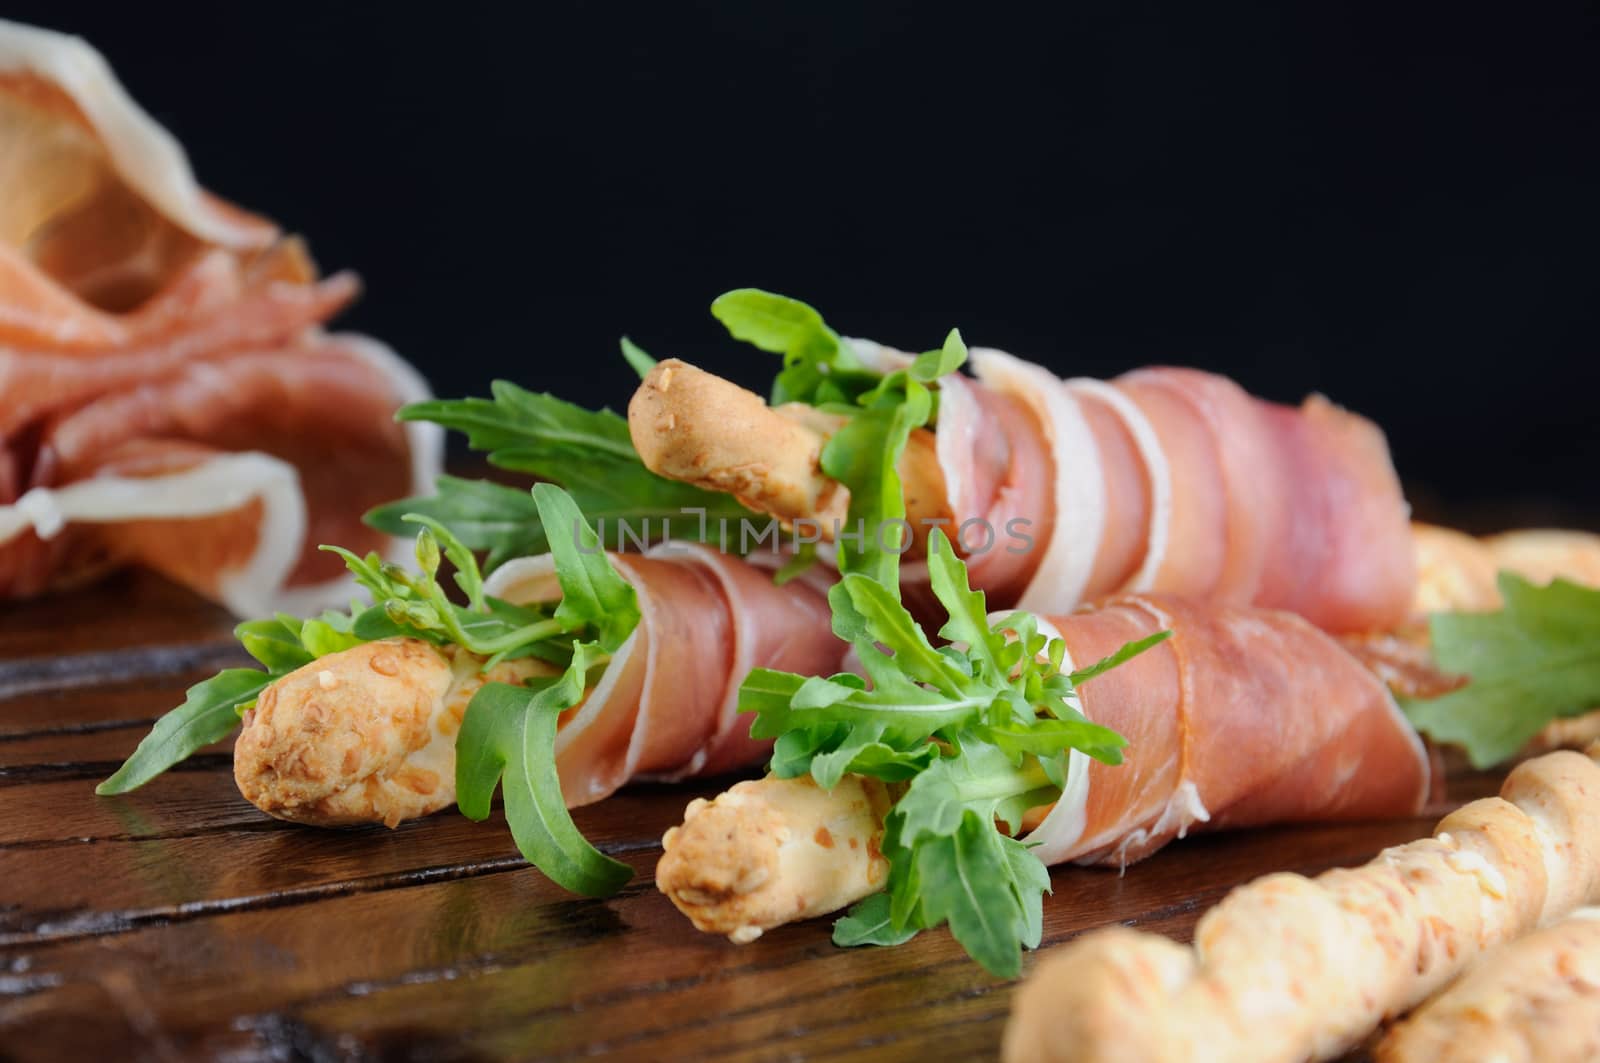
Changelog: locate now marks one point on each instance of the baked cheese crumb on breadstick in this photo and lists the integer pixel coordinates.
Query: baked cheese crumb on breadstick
(365, 735)
(1290, 968)
(1536, 1000)
(1457, 572)
(693, 426)
(775, 851)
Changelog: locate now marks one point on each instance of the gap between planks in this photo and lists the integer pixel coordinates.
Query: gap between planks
(96, 924)
(35, 675)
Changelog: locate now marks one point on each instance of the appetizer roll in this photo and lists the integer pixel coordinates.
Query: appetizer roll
(167, 398)
(368, 734)
(1056, 492)
(1241, 717)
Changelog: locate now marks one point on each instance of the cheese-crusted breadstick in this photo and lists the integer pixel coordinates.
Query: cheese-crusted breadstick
(1290, 968)
(366, 735)
(774, 851)
(1456, 572)
(694, 426)
(1536, 1000)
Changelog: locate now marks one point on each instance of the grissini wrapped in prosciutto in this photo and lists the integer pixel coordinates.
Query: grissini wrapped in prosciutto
(1061, 491)
(564, 676)
(167, 398)
(1289, 968)
(1244, 717)
(1241, 717)
(664, 708)
(1251, 689)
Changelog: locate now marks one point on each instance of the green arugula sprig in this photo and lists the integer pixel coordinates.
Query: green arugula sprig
(977, 731)
(588, 452)
(1534, 661)
(819, 366)
(591, 454)
(211, 709)
(507, 736)
(821, 369)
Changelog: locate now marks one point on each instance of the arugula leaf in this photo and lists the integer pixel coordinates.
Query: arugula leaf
(968, 621)
(981, 732)
(819, 366)
(596, 601)
(1534, 661)
(591, 590)
(507, 740)
(275, 643)
(210, 711)
(487, 517)
(865, 453)
(589, 452)
(1128, 652)
(967, 878)
(869, 923)
(212, 708)
(636, 358)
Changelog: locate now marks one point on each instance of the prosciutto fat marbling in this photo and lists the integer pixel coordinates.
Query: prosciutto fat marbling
(667, 706)
(1242, 717)
(166, 395)
(1174, 481)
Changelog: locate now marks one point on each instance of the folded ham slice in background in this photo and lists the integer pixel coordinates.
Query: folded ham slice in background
(167, 396)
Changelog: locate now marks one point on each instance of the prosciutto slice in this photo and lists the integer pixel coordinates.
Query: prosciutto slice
(1243, 717)
(1169, 480)
(167, 397)
(667, 706)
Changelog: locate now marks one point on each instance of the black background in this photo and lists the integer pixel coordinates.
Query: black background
(1397, 205)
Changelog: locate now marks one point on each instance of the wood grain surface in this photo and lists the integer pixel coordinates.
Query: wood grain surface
(179, 923)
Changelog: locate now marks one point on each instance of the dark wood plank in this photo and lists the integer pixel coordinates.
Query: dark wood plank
(130, 702)
(96, 887)
(128, 610)
(179, 922)
(504, 965)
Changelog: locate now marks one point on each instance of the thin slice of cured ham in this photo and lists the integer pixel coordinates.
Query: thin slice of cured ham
(667, 705)
(167, 397)
(1169, 480)
(1242, 717)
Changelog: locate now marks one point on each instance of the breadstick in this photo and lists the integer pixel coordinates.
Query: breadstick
(1290, 968)
(366, 735)
(693, 426)
(1456, 572)
(1536, 1000)
(774, 851)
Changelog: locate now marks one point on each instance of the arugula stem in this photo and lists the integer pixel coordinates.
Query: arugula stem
(534, 632)
(997, 787)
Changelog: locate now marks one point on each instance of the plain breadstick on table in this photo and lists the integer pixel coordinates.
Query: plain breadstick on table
(1290, 968)
(1536, 1000)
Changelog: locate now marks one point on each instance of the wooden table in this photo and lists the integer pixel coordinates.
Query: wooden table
(178, 922)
